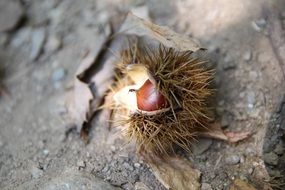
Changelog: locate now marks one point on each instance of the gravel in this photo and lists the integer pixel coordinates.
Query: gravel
(232, 159)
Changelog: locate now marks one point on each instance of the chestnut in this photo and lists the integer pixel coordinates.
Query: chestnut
(149, 98)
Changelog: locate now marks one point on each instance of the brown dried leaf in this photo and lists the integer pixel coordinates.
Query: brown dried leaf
(241, 185)
(175, 173)
(82, 94)
(217, 132)
(139, 27)
(81, 108)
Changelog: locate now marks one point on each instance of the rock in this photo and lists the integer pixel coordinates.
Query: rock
(206, 186)
(241, 185)
(229, 63)
(232, 159)
(46, 152)
(141, 186)
(225, 120)
(137, 165)
(38, 39)
(247, 55)
(53, 44)
(270, 158)
(250, 171)
(81, 164)
(279, 149)
(201, 146)
(74, 179)
(58, 75)
(11, 12)
(4, 38)
(250, 100)
(36, 172)
(259, 25)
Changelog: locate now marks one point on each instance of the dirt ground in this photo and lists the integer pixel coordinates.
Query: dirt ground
(39, 148)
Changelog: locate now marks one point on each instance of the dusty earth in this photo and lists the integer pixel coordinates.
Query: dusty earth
(41, 49)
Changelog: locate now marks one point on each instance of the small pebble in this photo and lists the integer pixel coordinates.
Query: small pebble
(270, 158)
(202, 146)
(206, 186)
(36, 172)
(225, 121)
(46, 152)
(38, 39)
(279, 149)
(247, 55)
(81, 164)
(58, 75)
(250, 100)
(53, 44)
(250, 171)
(232, 159)
(105, 169)
(229, 63)
(137, 165)
(259, 24)
(113, 148)
(141, 186)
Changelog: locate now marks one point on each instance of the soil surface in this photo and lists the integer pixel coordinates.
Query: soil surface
(41, 48)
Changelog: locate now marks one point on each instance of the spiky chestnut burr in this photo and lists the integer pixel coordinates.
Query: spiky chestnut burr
(177, 110)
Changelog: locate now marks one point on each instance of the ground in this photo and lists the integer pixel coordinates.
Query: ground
(39, 148)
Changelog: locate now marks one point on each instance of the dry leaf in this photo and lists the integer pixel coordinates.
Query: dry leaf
(174, 173)
(241, 185)
(81, 108)
(216, 132)
(139, 27)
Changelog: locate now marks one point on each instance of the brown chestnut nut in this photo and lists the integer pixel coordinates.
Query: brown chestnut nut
(149, 98)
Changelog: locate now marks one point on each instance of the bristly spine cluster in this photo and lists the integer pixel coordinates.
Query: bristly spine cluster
(185, 81)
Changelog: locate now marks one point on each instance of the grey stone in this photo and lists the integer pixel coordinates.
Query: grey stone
(202, 146)
(11, 13)
(46, 152)
(58, 75)
(270, 158)
(259, 25)
(232, 159)
(81, 164)
(250, 100)
(4, 38)
(137, 165)
(247, 55)
(36, 172)
(229, 63)
(38, 39)
(22, 37)
(53, 44)
(279, 148)
(141, 186)
(206, 186)
(225, 120)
